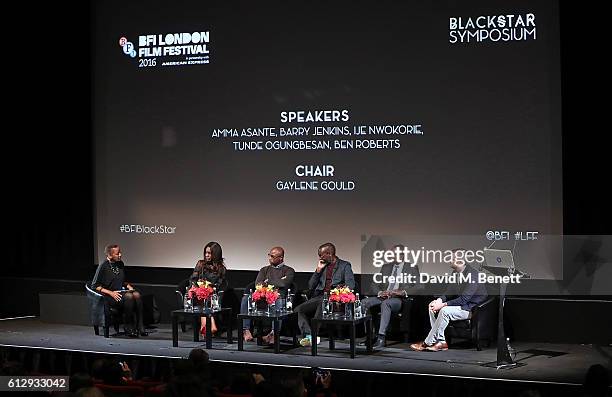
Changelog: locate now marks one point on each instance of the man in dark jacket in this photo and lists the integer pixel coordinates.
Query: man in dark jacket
(330, 272)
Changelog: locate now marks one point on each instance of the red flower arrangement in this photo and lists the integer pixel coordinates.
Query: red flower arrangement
(267, 292)
(202, 291)
(342, 295)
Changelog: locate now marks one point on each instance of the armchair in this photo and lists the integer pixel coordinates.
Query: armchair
(482, 324)
(179, 294)
(101, 313)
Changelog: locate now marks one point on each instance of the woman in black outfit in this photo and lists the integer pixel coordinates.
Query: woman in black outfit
(109, 281)
(211, 268)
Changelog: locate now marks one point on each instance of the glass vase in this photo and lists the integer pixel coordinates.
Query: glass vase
(349, 309)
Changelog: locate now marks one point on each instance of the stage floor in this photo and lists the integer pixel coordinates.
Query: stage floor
(545, 363)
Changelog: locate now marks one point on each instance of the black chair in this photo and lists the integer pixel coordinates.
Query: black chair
(403, 324)
(101, 313)
(179, 294)
(482, 324)
(408, 323)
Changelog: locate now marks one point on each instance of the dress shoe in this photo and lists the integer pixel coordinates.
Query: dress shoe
(144, 333)
(436, 347)
(418, 346)
(379, 343)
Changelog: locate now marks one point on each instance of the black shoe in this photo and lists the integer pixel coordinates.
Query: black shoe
(380, 342)
(133, 334)
(144, 333)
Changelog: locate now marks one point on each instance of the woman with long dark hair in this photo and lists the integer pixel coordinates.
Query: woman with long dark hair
(211, 268)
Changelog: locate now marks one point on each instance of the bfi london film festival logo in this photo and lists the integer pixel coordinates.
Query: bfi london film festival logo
(492, 28)
(128, 47)
(171, 49)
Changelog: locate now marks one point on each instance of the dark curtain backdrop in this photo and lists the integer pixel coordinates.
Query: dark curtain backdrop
(48, 144)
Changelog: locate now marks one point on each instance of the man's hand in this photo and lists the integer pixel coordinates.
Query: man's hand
(326, 380)
(383, 294)
(127, 372)
(398, 293)
(436, 305)
(258, 378)
(320, 266)
(115, 295)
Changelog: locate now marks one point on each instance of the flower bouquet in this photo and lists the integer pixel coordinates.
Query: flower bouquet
(342, 295)
(339, 297)
(200, 292)
(265, 295)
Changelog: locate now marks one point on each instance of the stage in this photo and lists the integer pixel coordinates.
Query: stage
(546, 363)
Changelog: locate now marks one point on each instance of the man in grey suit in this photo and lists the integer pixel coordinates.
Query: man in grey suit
(330, 272)
(392, 288)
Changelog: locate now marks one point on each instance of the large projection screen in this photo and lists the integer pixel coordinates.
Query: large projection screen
(270, 123)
